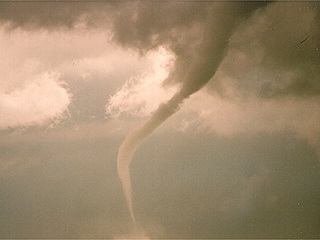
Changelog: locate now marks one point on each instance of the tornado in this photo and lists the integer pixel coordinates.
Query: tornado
(194, 66)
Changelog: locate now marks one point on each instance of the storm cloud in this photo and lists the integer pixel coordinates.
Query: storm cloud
(234, 86)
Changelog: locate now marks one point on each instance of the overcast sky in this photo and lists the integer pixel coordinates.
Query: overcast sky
(235, 148)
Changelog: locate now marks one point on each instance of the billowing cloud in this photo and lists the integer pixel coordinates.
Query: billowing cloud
(141, 95)
(77, 58)
(290, 114)
(42, 99)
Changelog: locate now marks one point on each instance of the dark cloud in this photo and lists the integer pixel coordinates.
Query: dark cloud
(293, 46)
(277, 31)
(146, 25)
(182, 27)
(276, 53)
(50, 15)
(225, 188)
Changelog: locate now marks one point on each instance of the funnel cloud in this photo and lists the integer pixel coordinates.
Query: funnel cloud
(203, 61)
(227, 93)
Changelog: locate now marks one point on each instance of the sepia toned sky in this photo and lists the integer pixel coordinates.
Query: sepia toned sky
(239, 158)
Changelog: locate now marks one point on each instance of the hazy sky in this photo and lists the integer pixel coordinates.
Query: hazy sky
(238, 159)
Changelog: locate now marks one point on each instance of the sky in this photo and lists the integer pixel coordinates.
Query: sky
(221, 100)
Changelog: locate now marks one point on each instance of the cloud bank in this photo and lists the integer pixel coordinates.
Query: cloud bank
(265, 60)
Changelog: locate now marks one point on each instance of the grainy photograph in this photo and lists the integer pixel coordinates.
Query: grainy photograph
(159, 119)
